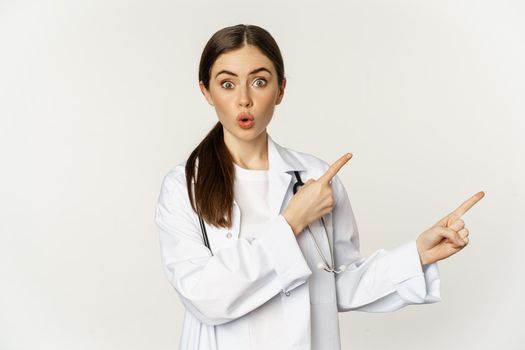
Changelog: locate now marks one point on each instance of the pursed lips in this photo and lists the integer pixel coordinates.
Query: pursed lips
(244, 116)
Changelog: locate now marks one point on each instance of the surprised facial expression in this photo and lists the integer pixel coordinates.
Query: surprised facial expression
(243, 84)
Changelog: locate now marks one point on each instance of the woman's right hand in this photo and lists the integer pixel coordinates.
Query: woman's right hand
(314, 199)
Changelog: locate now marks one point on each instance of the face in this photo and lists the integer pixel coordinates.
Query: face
(243, 80)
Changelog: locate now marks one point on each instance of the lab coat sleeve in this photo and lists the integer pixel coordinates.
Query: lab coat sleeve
(235, 280)
(386, 280)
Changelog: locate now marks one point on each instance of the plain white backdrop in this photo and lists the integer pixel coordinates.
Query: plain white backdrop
(99, 99)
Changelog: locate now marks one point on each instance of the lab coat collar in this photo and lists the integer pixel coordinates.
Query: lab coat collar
(281, 159)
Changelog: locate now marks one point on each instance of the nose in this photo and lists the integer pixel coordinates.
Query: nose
(244, 97)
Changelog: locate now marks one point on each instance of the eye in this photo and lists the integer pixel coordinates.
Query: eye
(260, 80)
(227, 84)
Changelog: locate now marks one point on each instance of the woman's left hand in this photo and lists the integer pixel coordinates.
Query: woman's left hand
(448, 236)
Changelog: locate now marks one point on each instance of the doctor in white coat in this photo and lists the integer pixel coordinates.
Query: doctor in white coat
(275, 280)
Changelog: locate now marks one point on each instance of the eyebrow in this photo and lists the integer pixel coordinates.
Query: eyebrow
(252, 72)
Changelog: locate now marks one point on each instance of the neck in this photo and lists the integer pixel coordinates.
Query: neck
(252, 154)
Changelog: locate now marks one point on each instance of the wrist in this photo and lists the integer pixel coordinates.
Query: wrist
(293, 222)
(422, 257)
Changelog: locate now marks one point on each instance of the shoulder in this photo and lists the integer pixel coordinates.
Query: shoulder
(174, 183)
(176, 173)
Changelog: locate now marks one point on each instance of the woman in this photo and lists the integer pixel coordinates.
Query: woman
(264, 268)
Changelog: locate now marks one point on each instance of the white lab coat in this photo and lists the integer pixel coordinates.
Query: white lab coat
(218, 290)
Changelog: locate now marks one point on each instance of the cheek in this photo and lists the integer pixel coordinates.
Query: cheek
(222, 104)
(267, 102)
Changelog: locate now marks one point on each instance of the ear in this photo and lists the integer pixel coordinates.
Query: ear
(206, 93)
(281, 93)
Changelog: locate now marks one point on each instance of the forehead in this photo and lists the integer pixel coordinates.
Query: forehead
(242, 61)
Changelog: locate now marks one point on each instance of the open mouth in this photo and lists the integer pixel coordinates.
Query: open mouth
(245, 122)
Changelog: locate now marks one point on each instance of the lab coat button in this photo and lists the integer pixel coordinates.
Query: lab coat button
(287, 294)
(229, 235)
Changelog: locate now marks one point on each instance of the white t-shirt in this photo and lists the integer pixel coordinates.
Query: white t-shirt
(267, 324)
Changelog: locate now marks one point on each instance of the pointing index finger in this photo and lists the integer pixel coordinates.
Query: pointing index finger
(469, 203)
(334, 168)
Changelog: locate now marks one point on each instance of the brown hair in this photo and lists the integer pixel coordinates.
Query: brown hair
(213, 181)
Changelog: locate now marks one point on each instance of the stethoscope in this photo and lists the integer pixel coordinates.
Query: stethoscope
(324, 263)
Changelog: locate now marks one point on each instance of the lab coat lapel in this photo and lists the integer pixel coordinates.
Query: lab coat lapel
(281, 167)
(282, 164)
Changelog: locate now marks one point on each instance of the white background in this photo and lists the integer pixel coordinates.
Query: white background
(99, 99)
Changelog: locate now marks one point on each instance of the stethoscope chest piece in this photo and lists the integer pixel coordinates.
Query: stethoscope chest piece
(322, 266)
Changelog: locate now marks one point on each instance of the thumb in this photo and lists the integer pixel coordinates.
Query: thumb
(452, 235)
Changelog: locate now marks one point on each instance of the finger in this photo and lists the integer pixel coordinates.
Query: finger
(457, 225)
(334, 168)
(463, 233)
(469, 203)
(299, 188)
(452, 235)
(456, 214)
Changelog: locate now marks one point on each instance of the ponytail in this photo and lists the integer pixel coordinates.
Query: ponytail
(210, 168)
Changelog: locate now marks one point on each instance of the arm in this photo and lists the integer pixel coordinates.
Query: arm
(386, 280)
(237, 279)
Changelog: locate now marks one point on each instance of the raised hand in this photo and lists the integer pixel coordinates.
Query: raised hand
(448, 236)
(314, 199)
